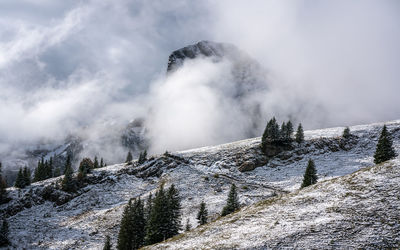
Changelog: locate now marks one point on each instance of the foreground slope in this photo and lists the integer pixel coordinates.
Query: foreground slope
(360, 210)
(43, 217)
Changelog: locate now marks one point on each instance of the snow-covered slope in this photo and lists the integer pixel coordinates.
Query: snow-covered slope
(41, 216)
(357, 211)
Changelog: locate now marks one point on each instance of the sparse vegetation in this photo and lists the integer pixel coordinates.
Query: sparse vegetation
(310, 175)
(202, 214)
(129, 157)
(232, 203)
(384, 149)
(346, 133)
(300, 134)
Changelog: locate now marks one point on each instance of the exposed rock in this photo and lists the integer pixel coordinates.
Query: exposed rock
(247, 166)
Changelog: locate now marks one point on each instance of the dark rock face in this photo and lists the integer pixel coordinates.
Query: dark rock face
(203, 48)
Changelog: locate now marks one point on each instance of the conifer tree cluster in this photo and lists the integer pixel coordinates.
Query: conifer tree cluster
(4, 241)
(202, 214)
(44, 170)
(23, 178)
(384, 148)
(232, 203)
(142, 157)
(310, 175)
(273, 134)
(3, 186)
(143, 225)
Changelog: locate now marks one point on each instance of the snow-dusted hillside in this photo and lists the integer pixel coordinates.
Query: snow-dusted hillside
(40, 216)
(357, 211)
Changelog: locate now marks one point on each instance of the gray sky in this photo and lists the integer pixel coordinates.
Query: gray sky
(65, 65)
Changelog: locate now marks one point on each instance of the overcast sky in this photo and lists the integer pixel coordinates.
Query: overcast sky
(67, 64)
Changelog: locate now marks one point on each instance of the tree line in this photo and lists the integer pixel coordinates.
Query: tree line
(160, 218)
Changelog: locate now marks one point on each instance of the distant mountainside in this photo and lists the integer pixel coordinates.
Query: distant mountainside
(247, 79)
(358, 210)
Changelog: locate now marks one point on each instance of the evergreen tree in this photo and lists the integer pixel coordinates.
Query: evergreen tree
(96, 162)
(174, 212)
(57, 172)
(271, 133)
(384, 148)
(346, 133)
(27, 176)
(188, 227)
(101, 163)
(4, 241)
(40, 173)
(289, 131)
(3, 187)
(300, 134)
(142, 157)
(202, 214)
(107, 243)
(20, 182)
(68, 183)
(157, 223)
(129, 157)
(232, 203)
(132, 228)
(283, 132)
(67, 163)
(124, 235)
(310, 176)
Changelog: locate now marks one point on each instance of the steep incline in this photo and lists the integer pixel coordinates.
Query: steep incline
(58, 220)
(357, 211)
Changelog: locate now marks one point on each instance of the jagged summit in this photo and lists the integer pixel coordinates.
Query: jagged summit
(202, 48)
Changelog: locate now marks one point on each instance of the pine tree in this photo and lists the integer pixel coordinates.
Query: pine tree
(202, 214)
(283, 132)
(384, 148)
(4, 241)
(3, 187)
(129, 157)
(139, 224)
(310, 175)
(132, 228)
(27, 176)
(157, 222)
(124, 235)
(96, 162)
(271, 133)
(107, 243)
(289, 131)
(188, 227)
(67, 163)
(68, 183)
(20, 182)
(174, 212)
(346, 133)
(300, 134)
(142, 157)
(232, 203)
(101, 163)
